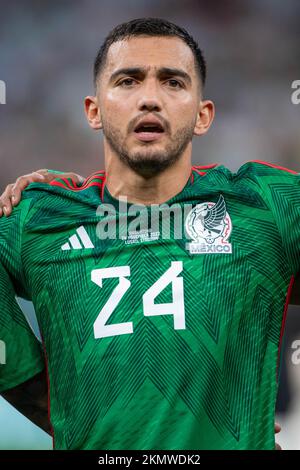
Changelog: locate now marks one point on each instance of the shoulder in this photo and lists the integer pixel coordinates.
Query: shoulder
(62, 187)
(95, 179)
(266, 171)
(278, 186)
(253, 168)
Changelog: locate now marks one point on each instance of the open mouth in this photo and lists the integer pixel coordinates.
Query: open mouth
(149, 131)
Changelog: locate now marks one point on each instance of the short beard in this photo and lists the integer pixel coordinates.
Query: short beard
(155, 162)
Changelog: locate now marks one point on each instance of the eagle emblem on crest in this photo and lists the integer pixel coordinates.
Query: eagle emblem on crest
(209, 224)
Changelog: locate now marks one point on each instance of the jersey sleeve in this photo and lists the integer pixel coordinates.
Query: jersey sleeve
(21, 355)
(281, 188)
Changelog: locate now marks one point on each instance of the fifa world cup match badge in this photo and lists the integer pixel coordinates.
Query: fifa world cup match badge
(209, 226)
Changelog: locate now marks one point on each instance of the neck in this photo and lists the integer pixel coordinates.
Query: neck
(122, 181)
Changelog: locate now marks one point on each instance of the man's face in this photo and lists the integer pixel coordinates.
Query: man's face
(149, 99)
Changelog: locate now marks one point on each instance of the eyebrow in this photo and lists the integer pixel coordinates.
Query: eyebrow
(163, 71)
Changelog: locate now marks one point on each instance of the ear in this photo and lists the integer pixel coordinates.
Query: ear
(205, 117)
(92, 111)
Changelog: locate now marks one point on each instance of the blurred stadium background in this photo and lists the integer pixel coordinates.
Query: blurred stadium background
(46, 55)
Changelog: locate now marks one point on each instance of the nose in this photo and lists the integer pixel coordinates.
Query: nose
(149, 99)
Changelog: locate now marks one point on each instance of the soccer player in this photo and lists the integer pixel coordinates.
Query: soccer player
(156, 342)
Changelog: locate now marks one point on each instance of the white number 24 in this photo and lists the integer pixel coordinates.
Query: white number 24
(175, 308)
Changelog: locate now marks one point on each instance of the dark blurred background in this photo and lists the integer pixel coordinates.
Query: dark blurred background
(252, 50)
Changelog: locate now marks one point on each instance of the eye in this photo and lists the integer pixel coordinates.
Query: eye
(174, 83)
(126, 82)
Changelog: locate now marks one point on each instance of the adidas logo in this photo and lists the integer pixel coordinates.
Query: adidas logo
(74, 240)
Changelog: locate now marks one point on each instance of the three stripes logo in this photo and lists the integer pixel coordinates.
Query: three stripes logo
(74, 240)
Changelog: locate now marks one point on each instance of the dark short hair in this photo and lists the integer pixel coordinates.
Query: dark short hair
(149, 27)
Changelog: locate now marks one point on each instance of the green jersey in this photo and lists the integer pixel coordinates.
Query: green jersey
(157, 342)
(21, 354)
